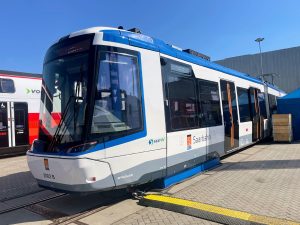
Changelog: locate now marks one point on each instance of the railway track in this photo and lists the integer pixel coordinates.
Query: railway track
(13, 208)
(76, 217)
(58, 217)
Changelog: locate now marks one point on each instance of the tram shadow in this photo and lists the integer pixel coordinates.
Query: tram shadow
(22, 202)
(17, 185)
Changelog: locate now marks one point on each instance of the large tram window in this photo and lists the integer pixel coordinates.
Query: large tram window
(244, 104)
(180, 95)
(182, 103)
(118, 98)
(210, 113)
(226, 102)
(262, 105)
(7, 86)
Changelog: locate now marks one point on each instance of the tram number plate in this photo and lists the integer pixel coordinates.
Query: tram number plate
(49, 176)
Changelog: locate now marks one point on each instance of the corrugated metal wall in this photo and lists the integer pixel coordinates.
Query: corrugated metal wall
(285, 62)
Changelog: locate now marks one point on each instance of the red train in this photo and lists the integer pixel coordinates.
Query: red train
(19, 110)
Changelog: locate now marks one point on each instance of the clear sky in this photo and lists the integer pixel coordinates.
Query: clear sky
(220, 29)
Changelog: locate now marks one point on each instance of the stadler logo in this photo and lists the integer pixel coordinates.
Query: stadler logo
(156, 141)
(32, 91)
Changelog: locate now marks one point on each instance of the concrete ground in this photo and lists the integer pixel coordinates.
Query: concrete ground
(263, 179)
(15, 178)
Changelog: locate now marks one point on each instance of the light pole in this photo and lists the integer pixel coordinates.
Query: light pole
(265, 85)
(261, 64)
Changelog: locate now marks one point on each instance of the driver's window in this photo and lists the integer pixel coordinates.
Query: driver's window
(118, 96)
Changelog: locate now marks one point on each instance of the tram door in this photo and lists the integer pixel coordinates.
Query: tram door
(21, 123)
(13, 124)
(4, 135)
(231, 124)
(256, 120)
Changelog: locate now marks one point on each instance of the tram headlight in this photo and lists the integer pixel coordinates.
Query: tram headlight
(81, 148)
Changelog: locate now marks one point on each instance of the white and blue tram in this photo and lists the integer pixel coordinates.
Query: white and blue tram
(119, 109)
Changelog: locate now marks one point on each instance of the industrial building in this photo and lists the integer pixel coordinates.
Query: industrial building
(283, 63)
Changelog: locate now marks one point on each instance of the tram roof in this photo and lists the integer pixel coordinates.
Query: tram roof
(154, 44)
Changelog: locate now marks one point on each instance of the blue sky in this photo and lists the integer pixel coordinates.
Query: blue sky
(220, 29)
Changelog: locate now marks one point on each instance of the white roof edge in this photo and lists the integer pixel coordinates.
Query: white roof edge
(91, 30)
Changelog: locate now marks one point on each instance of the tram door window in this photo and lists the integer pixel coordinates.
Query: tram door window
(244, 104)
(272, 104)
(210, 110)
(3, 125)
(21, 123)
(231, 124)
(180, 96)
(255, 114)
(262, 105)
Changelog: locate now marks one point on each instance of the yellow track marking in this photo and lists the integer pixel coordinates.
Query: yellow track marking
(220, 210)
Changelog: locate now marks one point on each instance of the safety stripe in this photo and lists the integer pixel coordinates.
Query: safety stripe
(218, 211)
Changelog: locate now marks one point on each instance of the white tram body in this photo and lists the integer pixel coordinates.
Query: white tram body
(143, 110)
(19, 111)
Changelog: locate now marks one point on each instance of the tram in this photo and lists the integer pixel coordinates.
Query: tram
(19, 111)
(119, 109)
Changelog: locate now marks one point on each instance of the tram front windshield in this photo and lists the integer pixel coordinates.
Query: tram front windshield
(64, 92)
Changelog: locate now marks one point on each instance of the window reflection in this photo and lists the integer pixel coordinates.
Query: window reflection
(118, 99)
(210, 104)
(244, 104)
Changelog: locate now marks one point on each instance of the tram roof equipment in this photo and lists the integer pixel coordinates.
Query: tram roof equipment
(137, 39)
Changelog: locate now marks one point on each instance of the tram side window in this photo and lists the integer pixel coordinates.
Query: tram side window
(180, 93)
(182, 103)
(118, 100)
(272, 104)
(210, 114)
(7, 86)
(262, 105)
(244, 104)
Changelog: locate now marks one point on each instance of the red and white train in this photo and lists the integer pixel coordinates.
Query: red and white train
(19, 111)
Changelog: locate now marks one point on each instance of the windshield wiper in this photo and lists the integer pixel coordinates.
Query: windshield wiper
(61, 130)
(57, 137)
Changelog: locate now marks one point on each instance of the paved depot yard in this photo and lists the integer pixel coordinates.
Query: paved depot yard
(15, 178)
(263, 180)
